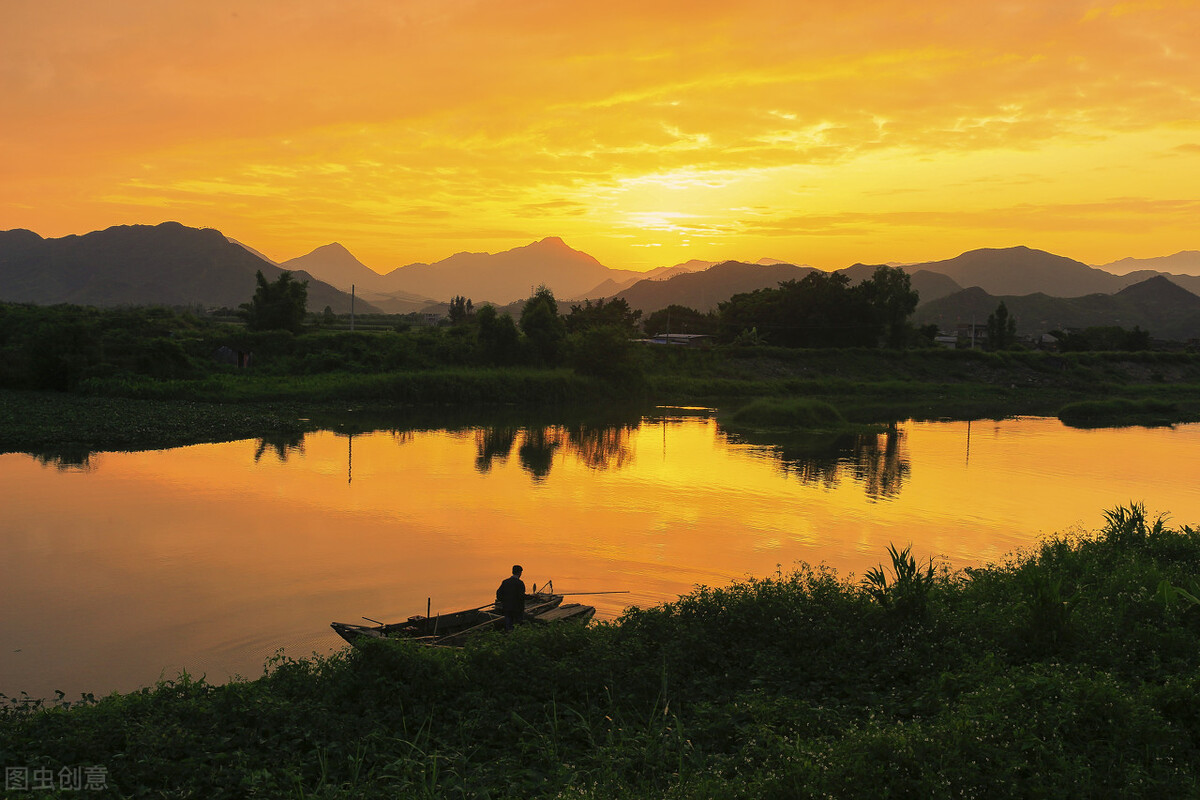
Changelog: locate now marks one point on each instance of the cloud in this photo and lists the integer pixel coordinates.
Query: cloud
(498, 116)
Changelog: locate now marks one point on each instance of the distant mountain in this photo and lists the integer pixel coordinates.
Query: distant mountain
(502, 278)
(1021, 271)
(704, 290)
(1189, 282)
(1185, 263)
(613, 286)
(167, 264)
(255, 252)
(1157, 305)
(338, 267)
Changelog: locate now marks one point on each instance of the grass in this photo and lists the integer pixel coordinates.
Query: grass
(791, 412)
(1122, 411)
(1068, 670)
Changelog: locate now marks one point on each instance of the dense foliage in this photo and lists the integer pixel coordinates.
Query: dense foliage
(824, 310)
(1067, 671)
(1112, 337)
(277, 305)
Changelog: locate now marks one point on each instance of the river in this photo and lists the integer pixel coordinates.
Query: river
(123, 568)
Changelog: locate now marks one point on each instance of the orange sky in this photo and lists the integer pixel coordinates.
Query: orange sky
(645, 133)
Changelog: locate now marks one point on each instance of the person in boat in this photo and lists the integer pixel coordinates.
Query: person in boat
(510, 598)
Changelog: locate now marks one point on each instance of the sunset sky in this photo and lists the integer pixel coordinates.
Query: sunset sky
(645, 133)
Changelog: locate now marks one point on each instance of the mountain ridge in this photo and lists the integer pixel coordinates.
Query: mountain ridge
(165, 264)
(1157, 305)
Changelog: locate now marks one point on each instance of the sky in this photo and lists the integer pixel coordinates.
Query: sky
(645, 133)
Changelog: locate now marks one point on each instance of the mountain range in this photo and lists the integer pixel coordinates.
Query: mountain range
(499, 278)
(170, 264)
(167, 264)
(1157, 305)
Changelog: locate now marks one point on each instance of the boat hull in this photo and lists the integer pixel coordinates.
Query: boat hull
(454, 629)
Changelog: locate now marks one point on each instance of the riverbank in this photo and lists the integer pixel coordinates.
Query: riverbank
(864, 386)
(1066, 671)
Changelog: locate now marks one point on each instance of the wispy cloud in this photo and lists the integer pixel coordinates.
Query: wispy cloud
(472, 117)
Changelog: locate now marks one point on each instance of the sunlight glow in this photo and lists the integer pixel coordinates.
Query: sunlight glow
(409, 132)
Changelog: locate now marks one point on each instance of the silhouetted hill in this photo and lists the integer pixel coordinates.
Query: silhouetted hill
(612, 286)
(502, 278)
(1185, 263)
(1157, 305)
(167, 264)
(928, 285)
(338, 267)
(252, 250)
(1022, 271)
(704, 290)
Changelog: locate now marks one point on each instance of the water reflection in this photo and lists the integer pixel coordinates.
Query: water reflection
(81, 460)
(878, 461)
(537, 450)
(150, 561)
(601, 447)
(493, 444)
(282, 443)
(595, 446)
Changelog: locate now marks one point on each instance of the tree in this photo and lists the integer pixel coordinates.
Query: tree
(680, 319)
(606, 352)
(461, 310)
(543, 327)
(1001, 328)
(614, 313)
(890, 292)
(278, 305)
(498, 336)
(820, 310)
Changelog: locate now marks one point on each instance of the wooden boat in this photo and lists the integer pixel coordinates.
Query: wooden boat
(453, 629)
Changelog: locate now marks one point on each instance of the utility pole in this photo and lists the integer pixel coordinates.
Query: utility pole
(352, 306)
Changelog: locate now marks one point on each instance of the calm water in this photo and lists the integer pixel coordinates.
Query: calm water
(132, 566)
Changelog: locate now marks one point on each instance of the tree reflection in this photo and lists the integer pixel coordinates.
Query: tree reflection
(876, 460)
(493, 444)
(67, 460)
(537, 449)
(601, 446)
(282, 443)
(596, 445)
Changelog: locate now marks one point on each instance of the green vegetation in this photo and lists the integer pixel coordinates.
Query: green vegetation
(277, 306)
(794, 412)
(1066, 671)
(1109, 337)
(824, 310)
(67, 363)
(1001, 328)
(1118, 412)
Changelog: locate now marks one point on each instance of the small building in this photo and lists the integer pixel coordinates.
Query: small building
(972, 335)
(682, 339)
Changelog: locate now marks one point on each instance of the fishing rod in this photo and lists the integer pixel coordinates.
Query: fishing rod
(614, 591)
